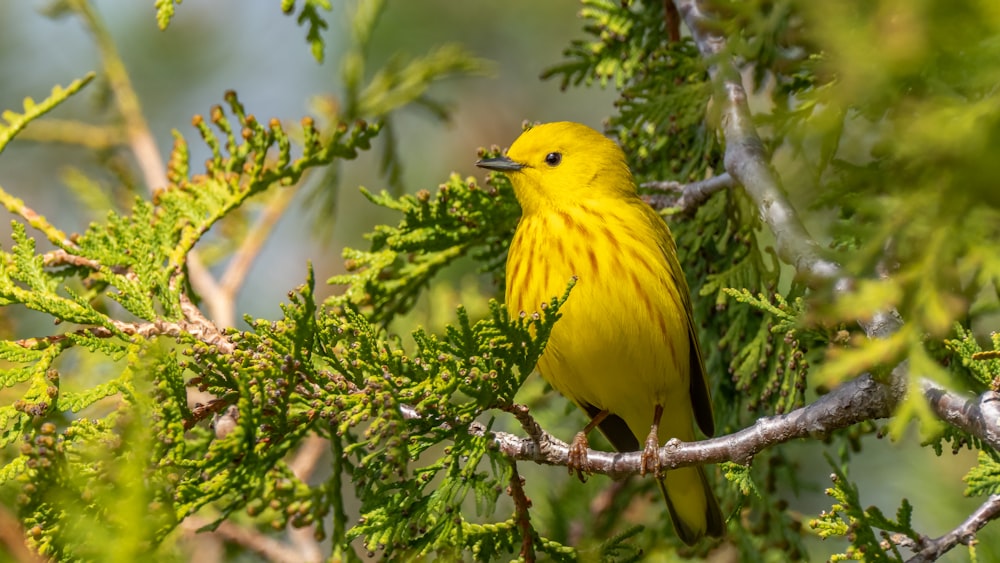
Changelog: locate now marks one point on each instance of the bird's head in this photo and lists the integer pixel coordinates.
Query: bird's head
(558, 164)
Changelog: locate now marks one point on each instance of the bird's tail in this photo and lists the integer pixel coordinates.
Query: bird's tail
(692, 505)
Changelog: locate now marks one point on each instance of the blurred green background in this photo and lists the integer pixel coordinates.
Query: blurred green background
(250, 47)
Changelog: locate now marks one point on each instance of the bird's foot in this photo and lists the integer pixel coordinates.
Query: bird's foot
(578, 456)
(650, 462)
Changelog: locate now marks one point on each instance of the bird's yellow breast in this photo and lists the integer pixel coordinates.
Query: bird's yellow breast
(622, 343)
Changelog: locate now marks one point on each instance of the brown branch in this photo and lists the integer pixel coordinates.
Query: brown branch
(203, 329)
(303, 465)
(220, 297)
(672, 21)
(267, 547)
(978, 416)
(308, 455)
(60, 257)
(194, 324)
(72, 132)
(240, 263)
(12, 538)
(140, 138)
(522, 506)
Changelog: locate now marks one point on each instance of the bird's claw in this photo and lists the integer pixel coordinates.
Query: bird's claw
(577, 461)
(650, 462)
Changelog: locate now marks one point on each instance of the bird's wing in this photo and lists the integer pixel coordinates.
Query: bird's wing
(701, 397)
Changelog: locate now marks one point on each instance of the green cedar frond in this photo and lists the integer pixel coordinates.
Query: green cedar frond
(402, 82)
(984, 478)
(310, 17)
(661, 117)
(434, 231)
(619, 549)
(137, 260)
(625, 38)
(865, 527)
(739, 475)
(12, 122)
(445, 383)
(981, 367)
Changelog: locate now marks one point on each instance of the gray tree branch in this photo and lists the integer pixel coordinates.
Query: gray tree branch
(964, 534)
(686, 197)
(746, 160)
(856, 401)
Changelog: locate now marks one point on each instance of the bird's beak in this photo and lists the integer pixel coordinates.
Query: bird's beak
(500, 164)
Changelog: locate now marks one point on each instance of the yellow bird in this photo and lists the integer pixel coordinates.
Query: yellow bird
(625, 350)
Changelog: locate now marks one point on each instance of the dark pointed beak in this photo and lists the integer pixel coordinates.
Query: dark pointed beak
(500, 164)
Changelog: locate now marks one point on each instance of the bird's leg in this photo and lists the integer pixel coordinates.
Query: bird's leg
(578, 447)
(650, 458)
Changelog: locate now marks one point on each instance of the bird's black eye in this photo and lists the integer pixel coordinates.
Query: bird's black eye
(553, 158)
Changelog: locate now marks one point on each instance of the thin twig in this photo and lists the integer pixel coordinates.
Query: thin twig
(528, 422)
(72, 132)
(220, 306)
(672, 21)
(687, 196)
(140, 138)
(303, 465)
(267, 547)
(60, 257)
(522, 511)
(964, 534)
(195, 325)
(12, 538)
(338, 469)
(204, 411)
(600, 511)
(17, 206)
(239, 265)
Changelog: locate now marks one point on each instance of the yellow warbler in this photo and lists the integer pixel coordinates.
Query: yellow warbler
(625, 350)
